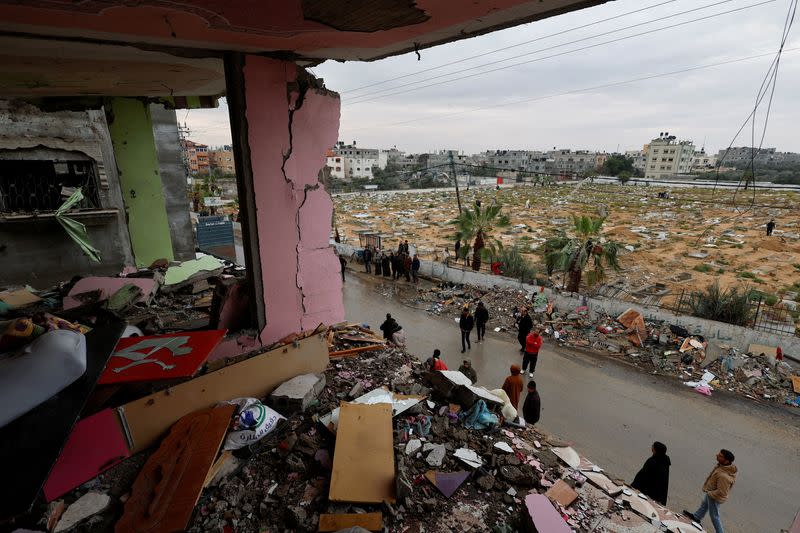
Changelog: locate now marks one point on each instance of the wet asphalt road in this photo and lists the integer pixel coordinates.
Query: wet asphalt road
(612, 413)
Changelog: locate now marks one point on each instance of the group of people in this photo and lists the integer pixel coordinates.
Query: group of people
(394, 264)
(467, 322)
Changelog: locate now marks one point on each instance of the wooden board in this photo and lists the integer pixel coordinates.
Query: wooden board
(335, 522)
(363, 462)
(31, 444)
(95, 445)
(159, 357)
(562, 493)
(19, 298)
(168, 486)
(796, 384)
(147, 419)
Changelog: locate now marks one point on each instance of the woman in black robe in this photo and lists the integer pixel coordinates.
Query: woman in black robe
(653, 478)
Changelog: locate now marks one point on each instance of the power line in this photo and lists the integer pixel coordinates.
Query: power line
(378, 95)
(575, 91)
(509, 47)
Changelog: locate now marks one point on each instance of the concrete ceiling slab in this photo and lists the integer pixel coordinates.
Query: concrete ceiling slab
(311, 30)
(41, 68)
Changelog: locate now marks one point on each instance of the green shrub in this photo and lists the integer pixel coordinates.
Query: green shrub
(516, 265)
(732, 306)
(702, 268)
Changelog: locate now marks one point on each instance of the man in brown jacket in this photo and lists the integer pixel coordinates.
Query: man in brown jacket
(717, 487)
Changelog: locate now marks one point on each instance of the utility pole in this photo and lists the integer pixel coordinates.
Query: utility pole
(455, 178)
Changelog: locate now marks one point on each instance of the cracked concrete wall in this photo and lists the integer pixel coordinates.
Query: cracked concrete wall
(291, 123)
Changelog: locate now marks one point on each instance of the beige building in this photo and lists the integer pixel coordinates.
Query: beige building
(222, 161)
(667, 157)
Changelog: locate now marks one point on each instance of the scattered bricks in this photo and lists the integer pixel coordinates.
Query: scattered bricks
(297, 393)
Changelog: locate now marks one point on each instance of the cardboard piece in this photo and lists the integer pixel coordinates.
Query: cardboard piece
(167, 488)
(31, 444)
(757, 349)
(336, 522)
(160, 357)
(18, 298)
(796, 384)
(148, 418)
(635, 327)
(363, 463)
(108, 287)
(399, 402)
(542, 516)
(562, 493)
(95, 445)
(447, 482)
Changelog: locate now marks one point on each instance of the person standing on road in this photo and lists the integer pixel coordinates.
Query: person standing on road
(513, 386)
(386, 265)
(532, 407)
(435, 362)
(524, 325)
(770, 227)
(367, 260)
(415, 264)
(653, 478)
(533, 343)
(392, 265)
(481, 318)
(343, 263)
(717, 488)
(389, 326)
(466, 322)
(408, 263)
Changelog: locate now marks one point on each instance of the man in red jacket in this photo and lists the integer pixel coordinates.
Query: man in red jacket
(533, 343)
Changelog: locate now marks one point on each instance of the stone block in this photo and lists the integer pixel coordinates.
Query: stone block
(297, 393)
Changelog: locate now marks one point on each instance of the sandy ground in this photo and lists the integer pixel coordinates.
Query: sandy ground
(724, 231)
(613, 413)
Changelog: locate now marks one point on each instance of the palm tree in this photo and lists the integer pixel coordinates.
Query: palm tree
(479, 224)
(571, 254)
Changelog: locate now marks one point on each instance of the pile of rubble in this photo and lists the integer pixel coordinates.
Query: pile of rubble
(371, 439)
(655, 346)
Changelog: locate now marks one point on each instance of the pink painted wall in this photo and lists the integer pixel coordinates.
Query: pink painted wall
(302, 284)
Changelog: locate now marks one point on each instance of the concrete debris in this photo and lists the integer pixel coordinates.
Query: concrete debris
(85, 507)
(297, 393)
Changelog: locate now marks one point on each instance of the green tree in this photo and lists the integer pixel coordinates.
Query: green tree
(572, 253)
(516, 265)
(478, 226)
(616, 164)
(624, 177)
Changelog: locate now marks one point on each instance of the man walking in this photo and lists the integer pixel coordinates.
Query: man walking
(717, 487)
(533, 404)
(770, 227)
(415, 268)
(481, 318)
(533, 343)
(368, 260)
(342, 262)
(524, 325)
(466, 322)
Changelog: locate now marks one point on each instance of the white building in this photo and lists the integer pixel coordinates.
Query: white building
(668, 157)
(348, 161)
(569, 162)
(701, 161)
(639, 158)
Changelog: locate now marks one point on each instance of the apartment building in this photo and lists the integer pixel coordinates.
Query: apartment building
(354, 161)
(221, 160)
(568, 162)
(196, 157)
(668, 157)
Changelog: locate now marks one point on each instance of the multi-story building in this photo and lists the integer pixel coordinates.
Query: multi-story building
(518, 160)
(743, 154)
(701, 161)
(668, 157)
(196, 157)
(356, 162)
(639, 158)
(221, 160)
(569, 162)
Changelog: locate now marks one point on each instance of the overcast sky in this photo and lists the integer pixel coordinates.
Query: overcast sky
(705, 105)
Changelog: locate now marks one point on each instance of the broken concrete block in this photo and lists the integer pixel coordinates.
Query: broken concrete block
(297, 393)
(436, 456)
(413, 446)
(86, 506)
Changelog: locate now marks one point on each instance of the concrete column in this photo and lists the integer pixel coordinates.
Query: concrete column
(284, 123)
(131, 128)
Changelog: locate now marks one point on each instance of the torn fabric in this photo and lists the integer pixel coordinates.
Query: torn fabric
(75, 229)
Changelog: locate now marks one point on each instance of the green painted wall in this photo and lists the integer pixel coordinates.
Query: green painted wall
(137, 161)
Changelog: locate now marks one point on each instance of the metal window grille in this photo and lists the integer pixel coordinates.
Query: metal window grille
(34, 186)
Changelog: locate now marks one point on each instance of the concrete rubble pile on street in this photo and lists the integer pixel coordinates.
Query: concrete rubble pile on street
(657, 347)
(346, 437)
